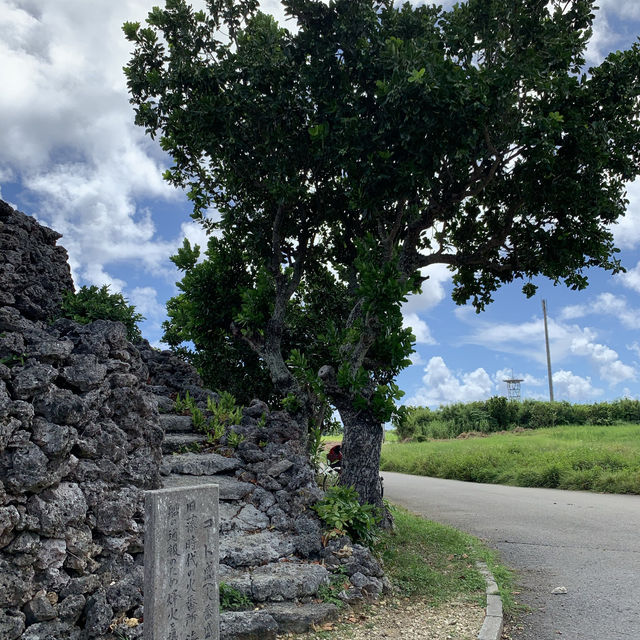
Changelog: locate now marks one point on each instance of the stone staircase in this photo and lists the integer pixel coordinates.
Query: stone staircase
(270, 547)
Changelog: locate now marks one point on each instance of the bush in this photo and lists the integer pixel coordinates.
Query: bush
(501, 411)
(233, 600)
(344, 515)
(498, 414)
(90, 303)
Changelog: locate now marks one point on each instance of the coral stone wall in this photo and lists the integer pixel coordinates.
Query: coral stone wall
(79, 443)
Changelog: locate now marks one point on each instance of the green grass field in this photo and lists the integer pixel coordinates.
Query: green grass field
(592, 458)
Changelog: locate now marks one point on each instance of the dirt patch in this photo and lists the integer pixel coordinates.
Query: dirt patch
(465, 435)
(403, 619)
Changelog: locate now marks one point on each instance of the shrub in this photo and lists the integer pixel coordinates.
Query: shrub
(502, 412)
(344, 515)
(93, 303)
(233, 600)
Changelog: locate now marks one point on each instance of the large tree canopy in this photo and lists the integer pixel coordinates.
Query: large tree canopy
(370, 141)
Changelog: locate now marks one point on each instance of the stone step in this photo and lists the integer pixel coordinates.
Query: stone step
(197, 464)
(172, 423)
(242, 517)
(247, 625)
(239, 549)
(174, 442)
(165, 404)
(299, 618)
(278, 581)
(230, 488)
(264, 624)
(159, 389)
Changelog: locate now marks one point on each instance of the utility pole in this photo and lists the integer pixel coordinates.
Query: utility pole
(546, 337)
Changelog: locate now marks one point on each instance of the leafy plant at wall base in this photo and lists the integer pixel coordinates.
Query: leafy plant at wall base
(224, 411)
(198, 419)
(344, 515)
(234, 439)
(214, 432)
(93, 303)
(9, 361)
(329, 593)
(179, 405)
(233, 600)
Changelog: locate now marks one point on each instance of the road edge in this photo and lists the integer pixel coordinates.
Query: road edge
(493, 620)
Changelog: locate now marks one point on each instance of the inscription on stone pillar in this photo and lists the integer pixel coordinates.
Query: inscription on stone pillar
(181, 564)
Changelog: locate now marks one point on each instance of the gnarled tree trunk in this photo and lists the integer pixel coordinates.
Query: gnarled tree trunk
(361, 446)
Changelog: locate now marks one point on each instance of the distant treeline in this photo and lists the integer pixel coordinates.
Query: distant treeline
(499, 414)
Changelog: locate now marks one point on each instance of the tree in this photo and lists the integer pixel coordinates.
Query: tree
(375, 141)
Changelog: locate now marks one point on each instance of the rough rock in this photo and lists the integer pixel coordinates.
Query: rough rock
(247, 625)
(79, 444)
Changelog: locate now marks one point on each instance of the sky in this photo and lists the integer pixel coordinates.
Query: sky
(71, 156)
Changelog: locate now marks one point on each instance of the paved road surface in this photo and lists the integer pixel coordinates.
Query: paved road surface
(586, 542)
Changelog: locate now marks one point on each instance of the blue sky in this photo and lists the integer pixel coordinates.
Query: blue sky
(71, 156)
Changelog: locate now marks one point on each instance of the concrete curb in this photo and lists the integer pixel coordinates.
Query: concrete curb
(492, 625)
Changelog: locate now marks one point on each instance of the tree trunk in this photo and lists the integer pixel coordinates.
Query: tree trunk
(361, 458)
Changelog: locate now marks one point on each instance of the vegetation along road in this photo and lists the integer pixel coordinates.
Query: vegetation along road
(586, 542)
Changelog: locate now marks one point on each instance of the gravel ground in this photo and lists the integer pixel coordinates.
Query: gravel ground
(403, 620)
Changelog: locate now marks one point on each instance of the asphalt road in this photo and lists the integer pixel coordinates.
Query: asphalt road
(586, 542)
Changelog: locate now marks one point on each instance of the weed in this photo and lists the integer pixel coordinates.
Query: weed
(224, 411)
(184, 406)
(234, 439)
(194, 447)
(11, 360)
(233, 600)
(344, 515)
(427, 559)
(290, 403)
(330, 593)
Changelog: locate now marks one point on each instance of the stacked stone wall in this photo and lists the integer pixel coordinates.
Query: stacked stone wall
(79, 444)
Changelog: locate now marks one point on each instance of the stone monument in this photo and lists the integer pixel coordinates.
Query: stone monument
(181, 564)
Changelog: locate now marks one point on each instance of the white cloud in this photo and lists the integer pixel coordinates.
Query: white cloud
(626, 232)
(631, 278)
(635, 347)
(433, 290)
(601, 41)
(624, 9)
(527, 339)
(606, 304)
(419, 327)
(196, 234)
(145, 299)
(574, 311)
(609, 365)
(94, 274)
(441, 386)
(527, 379)
(574, 388)
(71, 139)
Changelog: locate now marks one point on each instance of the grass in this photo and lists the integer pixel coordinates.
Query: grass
(436, 563)
(428, 564)
(592, 458)
(389, 436)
